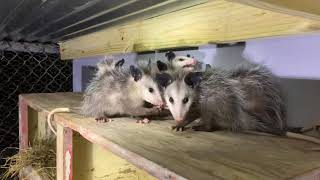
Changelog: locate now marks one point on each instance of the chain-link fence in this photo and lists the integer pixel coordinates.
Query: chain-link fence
(27, 72)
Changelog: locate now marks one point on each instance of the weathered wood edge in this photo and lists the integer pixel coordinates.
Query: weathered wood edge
(31, 104)
(137, 160)
(23, 123)
(64, 153)
(276, 7)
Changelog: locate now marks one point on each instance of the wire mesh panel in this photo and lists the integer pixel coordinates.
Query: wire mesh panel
(27, 72)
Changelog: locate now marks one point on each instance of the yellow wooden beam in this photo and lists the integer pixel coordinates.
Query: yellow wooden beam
(304, 8)
(212, 22)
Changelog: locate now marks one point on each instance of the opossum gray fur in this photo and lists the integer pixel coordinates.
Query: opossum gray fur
(115, 91)
(208, 67)
(245, 99)
(121, 92)
(108, 65)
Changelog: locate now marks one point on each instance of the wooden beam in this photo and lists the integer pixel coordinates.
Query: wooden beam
(212, 22)
(306, 8)
(23, 123)
(64, 153)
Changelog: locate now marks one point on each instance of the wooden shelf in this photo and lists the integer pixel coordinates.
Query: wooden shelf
(214, 21)
(156, 151)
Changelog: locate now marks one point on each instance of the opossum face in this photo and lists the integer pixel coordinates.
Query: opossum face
(180, 95)
(150, 91)
(186, 63)
(148, 88)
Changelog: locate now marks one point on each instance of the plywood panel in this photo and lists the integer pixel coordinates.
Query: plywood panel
(306, 8)
(212, 22)
(91, 161)
(193, 155)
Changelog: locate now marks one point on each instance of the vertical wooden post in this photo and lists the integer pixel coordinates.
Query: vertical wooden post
(64, 153)
(23, 123)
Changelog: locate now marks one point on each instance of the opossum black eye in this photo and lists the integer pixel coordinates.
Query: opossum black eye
(151, 90)
(181, 59)
(171, 100)
(185, 100)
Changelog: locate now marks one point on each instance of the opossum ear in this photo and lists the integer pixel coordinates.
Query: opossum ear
(163, 79)
(162, 66)
(135, 73)
(120, 63)
(170, 55)
(208, 66)
(193, 79)
(149, 65)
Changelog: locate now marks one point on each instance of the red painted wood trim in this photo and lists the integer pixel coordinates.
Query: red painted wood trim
(23, 123)
(68, 153)
(152, 168)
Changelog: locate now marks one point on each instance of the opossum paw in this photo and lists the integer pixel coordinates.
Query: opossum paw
(177, 128)
(103, 119)
(143, 121)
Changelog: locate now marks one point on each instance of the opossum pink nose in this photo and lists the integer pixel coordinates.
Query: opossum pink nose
(194, 62)
(160, 103)
(179, 119)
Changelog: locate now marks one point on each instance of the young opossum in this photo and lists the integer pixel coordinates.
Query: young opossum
(176, 63)
(122, 92)
(246, 99)
(117, 92)
(108, 65)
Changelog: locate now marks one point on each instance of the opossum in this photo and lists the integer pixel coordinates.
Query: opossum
(108, 65)
(119, 92)
(122, 92)
(175, 63)
(245, 99)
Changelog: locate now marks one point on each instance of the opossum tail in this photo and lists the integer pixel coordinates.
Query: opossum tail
(50, 115)
(303, 137)
(288, 134)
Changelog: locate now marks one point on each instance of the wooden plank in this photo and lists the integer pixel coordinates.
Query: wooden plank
(192, 155)
(101, 163)
(212, 22)
(307, 8)
(23, 123)
(64, 153)
(48, 101)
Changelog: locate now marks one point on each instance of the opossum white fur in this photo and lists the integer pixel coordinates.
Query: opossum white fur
(108, 65)
(176, 63)
(246, 99)
(117, 91)
(121, 92)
